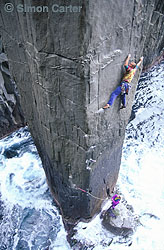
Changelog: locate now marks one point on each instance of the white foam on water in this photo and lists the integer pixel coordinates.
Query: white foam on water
(20, 177)
(23, 184)
(142, 174)
(141, 177)
(93, 233)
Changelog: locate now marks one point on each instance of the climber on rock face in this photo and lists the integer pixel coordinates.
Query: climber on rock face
(124, 87)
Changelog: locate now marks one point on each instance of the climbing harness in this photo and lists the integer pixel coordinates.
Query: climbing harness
(125, 90)
(122, 88)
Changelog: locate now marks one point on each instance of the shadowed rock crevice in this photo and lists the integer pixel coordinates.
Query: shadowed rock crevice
(11, 115)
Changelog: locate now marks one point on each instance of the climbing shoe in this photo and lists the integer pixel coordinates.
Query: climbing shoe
(123, 107)
(106, 106)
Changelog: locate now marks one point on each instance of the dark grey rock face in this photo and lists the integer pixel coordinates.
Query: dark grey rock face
(11, 115)
(66, 65)
(154, 43)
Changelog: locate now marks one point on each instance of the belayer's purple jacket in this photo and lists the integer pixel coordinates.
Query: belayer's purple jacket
(114, 200)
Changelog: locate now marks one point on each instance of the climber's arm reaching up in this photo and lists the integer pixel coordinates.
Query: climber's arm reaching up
(140, 61)
(127, 60)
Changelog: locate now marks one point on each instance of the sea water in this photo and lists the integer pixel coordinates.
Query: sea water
(29, 218)
(141, 177)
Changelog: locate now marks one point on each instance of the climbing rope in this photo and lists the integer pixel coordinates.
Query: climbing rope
(90, 194)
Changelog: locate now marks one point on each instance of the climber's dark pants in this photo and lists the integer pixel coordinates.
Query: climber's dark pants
(123, 99)
(117, 92)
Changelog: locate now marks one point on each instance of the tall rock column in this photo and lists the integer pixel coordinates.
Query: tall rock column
(66, 64)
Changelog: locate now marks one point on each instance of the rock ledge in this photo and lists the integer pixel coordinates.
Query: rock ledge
(120, 221)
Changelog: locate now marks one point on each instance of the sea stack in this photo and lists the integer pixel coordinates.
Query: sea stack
(66, 65)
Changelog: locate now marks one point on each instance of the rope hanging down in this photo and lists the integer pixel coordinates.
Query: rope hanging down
(90, 194)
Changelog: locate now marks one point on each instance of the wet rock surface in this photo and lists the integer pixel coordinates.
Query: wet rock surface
(120, 221)
(28, 228)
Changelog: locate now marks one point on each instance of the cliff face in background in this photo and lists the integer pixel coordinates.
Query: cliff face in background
(154, 43)
(11, 115)
(66, 65)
